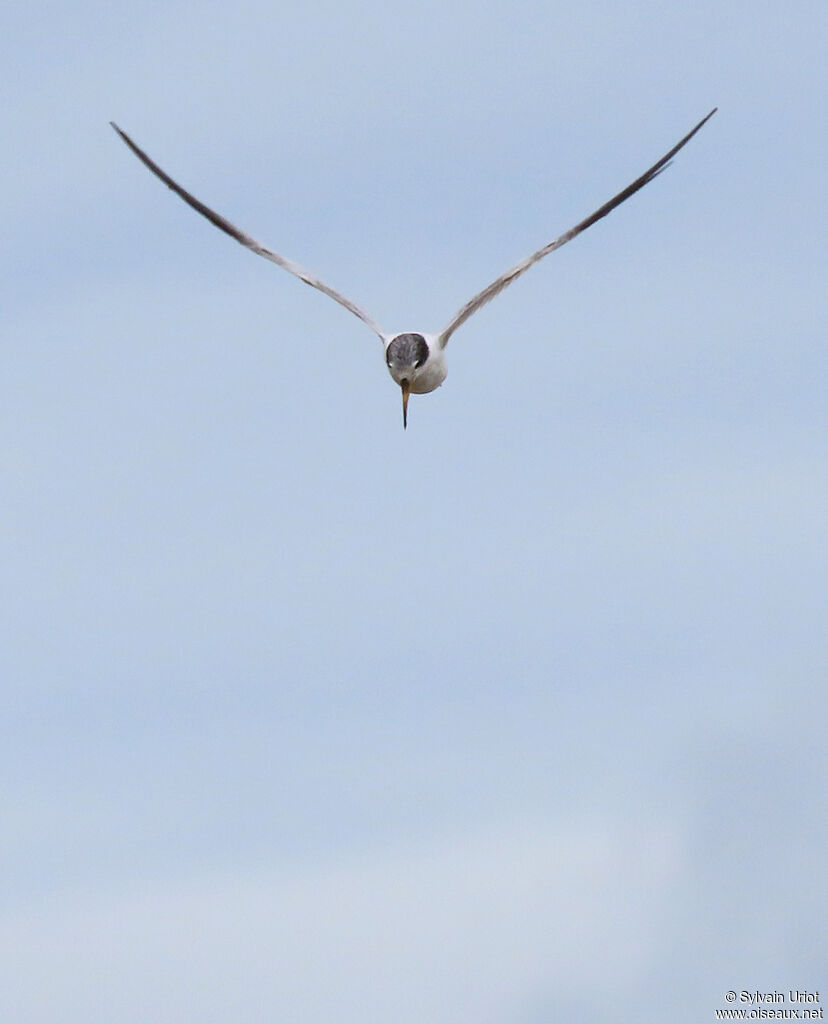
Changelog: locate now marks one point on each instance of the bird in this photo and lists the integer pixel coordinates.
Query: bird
(415, 359)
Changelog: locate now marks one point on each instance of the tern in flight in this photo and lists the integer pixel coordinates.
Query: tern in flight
(415, 360)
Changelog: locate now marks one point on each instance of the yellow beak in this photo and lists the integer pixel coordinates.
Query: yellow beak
(406, 391)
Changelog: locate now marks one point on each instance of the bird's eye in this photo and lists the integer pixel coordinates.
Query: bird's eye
(420, 362)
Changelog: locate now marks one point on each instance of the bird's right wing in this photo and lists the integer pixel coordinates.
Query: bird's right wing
(497, 286)
(246, 240)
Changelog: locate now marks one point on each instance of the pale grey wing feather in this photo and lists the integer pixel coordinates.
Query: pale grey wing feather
(246, 240)
(497, 286)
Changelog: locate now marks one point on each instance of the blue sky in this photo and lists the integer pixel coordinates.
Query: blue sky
(515, 716)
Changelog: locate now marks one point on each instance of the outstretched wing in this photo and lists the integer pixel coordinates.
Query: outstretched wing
(506, 279)
(246, 240)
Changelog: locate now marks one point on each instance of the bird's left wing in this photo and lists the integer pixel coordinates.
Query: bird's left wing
(506, 279)
(246, 240)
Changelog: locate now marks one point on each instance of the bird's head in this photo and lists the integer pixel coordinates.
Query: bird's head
(407, 356)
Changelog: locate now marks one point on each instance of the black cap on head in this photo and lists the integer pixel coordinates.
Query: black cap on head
(407, 350)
